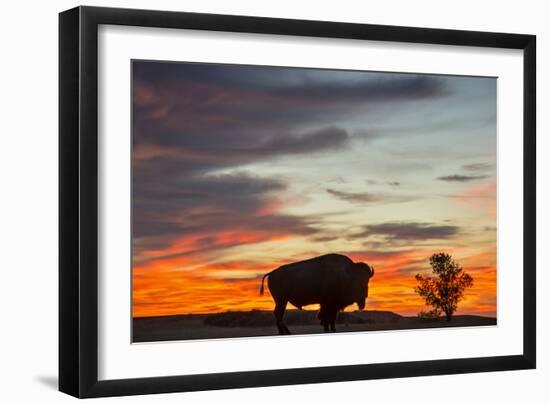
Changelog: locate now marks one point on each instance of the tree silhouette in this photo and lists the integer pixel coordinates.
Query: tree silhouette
(445, 288)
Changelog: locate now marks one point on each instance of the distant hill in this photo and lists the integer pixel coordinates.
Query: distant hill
(260, 318)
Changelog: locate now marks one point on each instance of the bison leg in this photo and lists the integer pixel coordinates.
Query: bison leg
(333, 320)
(280, 307)
(328, 318)
(324, 318)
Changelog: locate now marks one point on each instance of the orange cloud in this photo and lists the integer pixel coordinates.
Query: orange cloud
(182, 285)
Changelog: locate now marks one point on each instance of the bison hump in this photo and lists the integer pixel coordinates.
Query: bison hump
(328, 259)
(329, 263)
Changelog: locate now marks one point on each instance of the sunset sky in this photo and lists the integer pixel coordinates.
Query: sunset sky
(240, 169)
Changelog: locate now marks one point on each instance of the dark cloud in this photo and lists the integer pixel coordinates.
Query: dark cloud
(409, 231)
(324, 139)
(461, 178)
(202, 107)
(194, 118)
(401, 88)
(394, 183)
(478, 167)
(233, 192)
(301, 83)
(212, 150)
(369, 197)
(203, 207)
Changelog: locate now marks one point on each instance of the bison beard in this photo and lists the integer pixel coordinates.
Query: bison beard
(334, 281)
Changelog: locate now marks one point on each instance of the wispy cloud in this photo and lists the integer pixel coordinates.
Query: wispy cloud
(477, 167)
(369, 197)
(356, 197)
(409, 231)
(461, 178)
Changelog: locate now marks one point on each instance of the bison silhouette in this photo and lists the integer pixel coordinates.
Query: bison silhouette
(334, 281)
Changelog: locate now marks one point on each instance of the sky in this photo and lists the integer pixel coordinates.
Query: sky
(240, 169)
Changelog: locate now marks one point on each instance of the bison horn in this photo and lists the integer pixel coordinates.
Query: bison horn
(371, 271)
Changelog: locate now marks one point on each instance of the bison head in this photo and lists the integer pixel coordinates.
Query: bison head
(361, 274)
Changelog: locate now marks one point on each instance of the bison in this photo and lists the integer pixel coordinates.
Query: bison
(334, 281)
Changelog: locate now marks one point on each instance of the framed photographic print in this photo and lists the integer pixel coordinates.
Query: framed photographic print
(240, 194)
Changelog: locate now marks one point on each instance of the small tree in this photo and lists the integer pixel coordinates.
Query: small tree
(446, 287)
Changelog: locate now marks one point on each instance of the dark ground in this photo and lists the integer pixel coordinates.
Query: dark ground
(261, 323)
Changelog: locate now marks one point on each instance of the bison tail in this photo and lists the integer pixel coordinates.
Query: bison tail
(262, 287)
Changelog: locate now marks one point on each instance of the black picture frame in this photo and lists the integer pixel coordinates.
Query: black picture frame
(78, 201)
